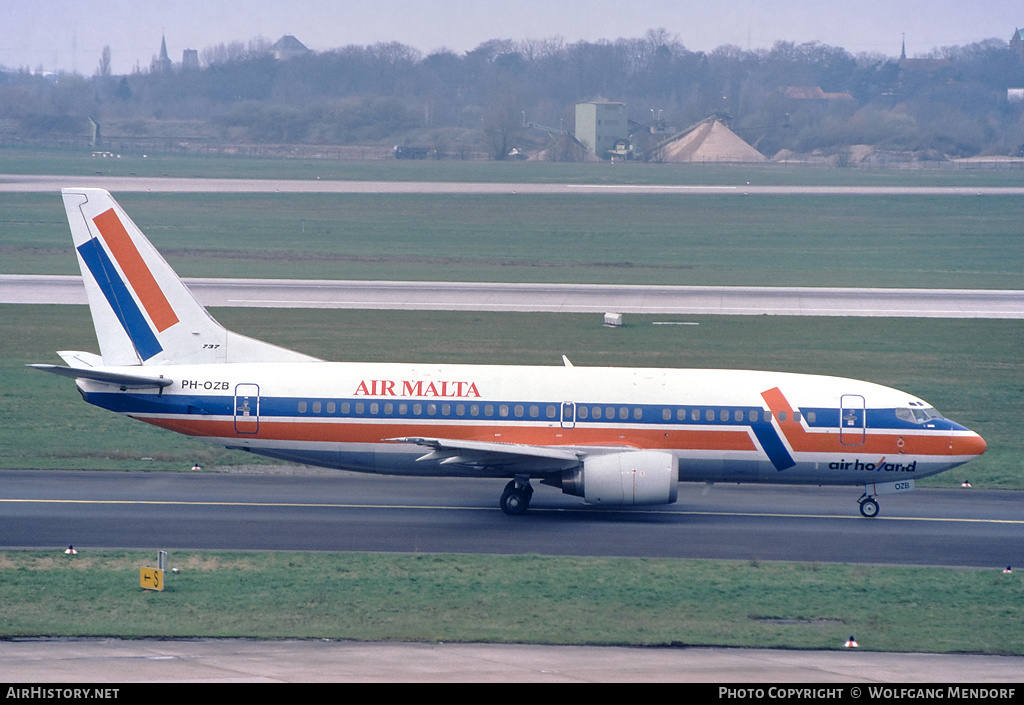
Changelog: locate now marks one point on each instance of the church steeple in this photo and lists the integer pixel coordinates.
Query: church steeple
(903, 51)
(162, 63)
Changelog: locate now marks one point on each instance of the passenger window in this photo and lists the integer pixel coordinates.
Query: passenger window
(316, 407)
(582, 412)
(666, 414)
(302, 407)
(534, 411)
(519, 411)
(331, 407)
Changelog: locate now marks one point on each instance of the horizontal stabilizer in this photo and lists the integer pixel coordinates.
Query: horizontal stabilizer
(118, 378)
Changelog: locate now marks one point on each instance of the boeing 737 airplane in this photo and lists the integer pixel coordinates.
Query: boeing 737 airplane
(613, 436)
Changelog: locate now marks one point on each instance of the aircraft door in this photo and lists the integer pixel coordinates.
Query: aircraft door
(247, 408)
(568, 414)
(852, 420)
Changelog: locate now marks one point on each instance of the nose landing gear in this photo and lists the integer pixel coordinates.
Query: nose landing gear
(868, 506)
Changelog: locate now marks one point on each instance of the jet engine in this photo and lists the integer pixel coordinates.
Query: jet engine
(631, 478)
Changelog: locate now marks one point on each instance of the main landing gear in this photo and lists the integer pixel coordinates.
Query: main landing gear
(515, 500)
(868, 506)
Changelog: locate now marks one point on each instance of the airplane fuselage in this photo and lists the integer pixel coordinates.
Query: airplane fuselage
(719, 425)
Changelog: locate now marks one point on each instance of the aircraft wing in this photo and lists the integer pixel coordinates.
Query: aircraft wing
(484, 454)
(118, 378)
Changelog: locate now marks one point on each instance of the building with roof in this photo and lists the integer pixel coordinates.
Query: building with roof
(1017, 44)
(812, 93)
(288, 47)
(189, 60)
(600, 125)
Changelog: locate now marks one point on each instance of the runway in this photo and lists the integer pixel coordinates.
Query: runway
(559, 298)
(18, 183)
(340, 511)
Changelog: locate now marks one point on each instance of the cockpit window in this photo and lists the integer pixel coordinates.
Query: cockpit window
(917, 414)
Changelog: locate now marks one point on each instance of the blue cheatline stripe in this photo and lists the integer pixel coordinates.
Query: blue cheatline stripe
(120, 299)
(773, 446)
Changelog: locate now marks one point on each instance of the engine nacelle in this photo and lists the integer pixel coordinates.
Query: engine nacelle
(630, 478)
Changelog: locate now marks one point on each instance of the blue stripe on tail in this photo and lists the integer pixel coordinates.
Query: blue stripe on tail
(120, 299)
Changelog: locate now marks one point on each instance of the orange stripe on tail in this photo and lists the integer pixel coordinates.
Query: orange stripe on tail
(135, 268)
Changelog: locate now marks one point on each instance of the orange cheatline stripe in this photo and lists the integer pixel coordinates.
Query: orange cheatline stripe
(877, 444)
(135, 268)
(342, 432)
(737, 439)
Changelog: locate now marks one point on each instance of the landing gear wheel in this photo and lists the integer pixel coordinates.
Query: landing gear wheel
(515, 500)
(869, 508)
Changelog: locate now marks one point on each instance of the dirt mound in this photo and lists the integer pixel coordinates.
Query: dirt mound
(709, 141)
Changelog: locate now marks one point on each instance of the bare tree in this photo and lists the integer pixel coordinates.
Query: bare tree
(103, 70)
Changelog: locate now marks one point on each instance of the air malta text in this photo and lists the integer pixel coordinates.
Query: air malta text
(415, 388)
(880, 466)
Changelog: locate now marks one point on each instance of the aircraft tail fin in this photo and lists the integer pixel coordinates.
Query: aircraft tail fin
(143, 313)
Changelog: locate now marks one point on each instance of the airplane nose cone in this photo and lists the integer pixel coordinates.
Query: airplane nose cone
(972, 444)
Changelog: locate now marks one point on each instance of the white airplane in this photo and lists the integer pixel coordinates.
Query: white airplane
(613, 436)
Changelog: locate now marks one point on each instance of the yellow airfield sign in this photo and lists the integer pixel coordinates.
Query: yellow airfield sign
(151, 578)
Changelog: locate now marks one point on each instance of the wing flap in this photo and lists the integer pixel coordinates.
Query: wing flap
(487, 454)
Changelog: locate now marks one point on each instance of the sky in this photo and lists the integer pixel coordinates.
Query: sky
(60, 35)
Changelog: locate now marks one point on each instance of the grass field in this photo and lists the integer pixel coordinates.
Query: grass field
(898, 241)
(31, 161)
(514, 599)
